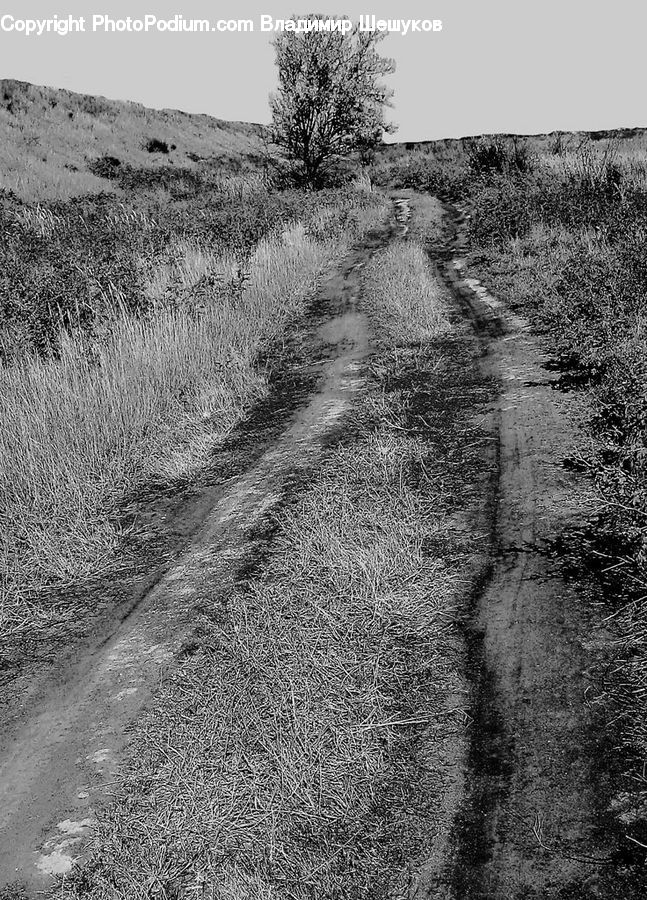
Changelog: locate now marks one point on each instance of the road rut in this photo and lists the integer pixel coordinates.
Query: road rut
(529, 824)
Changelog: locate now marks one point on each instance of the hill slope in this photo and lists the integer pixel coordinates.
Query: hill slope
(51, 138)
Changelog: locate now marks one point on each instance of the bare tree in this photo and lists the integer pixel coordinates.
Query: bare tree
(330, 101)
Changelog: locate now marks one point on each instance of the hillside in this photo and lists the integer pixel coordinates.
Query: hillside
(52, 140)
(550, 142)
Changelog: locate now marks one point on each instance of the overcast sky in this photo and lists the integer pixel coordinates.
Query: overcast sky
(497, 65)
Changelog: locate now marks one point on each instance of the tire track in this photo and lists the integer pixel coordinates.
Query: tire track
(529, 823)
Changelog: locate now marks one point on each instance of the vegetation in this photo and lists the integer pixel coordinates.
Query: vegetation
(330, 101)
(566, 244)
(131, 324)
(52, 140)
(146, 269)
(70, 264)
(154, 145)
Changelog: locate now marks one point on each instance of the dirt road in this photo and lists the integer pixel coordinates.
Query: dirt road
(59, 760)
(530, 824)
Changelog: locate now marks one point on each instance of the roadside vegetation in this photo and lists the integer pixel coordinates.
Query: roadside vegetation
(147, 260)
(557, 228)
(131, 328)
(307, 746)
(564, 241)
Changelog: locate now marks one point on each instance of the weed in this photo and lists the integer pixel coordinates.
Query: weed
(500, 156)
(405, 297)
(300, 748)
(105, 166)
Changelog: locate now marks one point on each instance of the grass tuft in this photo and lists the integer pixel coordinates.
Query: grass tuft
(404, 294)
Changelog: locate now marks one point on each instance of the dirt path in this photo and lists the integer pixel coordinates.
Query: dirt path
(61, 758)
(530, 823)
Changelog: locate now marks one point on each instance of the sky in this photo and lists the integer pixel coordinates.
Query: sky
(497, 66)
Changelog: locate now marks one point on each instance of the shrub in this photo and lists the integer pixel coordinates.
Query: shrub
(105, 166)
(147, 371)
(154, 145)
(500, 156)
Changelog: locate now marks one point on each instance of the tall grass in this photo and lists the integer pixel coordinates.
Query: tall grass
(71, 262)
(405, 297)
(143, 399)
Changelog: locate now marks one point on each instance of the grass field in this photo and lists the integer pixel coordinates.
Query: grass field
(152, 278)
(57, 144)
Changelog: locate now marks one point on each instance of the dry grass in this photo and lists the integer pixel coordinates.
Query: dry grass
(145, 399)
(50, 136)
(405, 295)
(267, 764)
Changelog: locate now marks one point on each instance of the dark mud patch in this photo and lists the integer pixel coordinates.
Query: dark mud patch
(490, 765)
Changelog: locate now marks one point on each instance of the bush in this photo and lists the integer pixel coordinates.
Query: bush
(127, 332)
(69, 265)
(500, 156)
(105, 167)
(154, 145)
